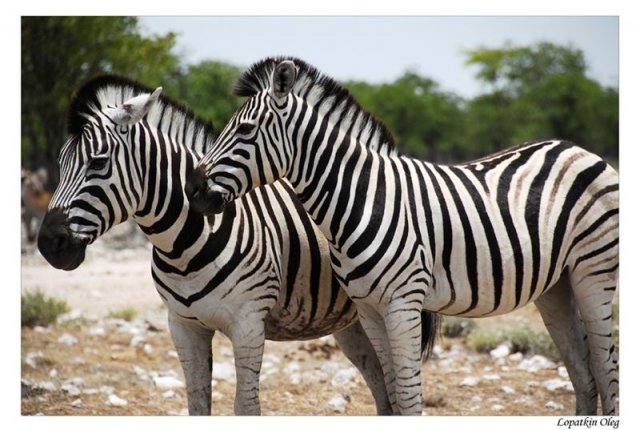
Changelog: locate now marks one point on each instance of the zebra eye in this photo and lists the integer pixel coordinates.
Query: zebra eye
(245, 128)
(98, 163)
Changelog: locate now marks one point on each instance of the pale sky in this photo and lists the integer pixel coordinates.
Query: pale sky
(380, 49)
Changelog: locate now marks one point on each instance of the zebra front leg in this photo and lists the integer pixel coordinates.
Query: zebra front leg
(358, 349)
(193, 345)
(403, 322)
(248, 346)
(560, 315)
(373, 325)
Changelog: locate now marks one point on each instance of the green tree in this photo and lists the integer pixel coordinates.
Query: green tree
(537, 92)
(206, 88)
(60, 53)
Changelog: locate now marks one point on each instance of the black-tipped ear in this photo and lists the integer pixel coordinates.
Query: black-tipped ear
(284, 77)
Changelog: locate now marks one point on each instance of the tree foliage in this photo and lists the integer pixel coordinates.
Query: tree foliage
(532, 92)
(60, 53)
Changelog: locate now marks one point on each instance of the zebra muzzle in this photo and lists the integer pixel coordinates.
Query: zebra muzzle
(57, 244)
(202, 199)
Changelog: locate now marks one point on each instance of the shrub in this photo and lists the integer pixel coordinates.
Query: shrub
(126, 314)
(457, 327)
(37, 309)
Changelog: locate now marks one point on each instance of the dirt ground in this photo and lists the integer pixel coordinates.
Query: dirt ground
(88, 364)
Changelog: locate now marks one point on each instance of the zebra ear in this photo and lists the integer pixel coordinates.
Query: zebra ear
(283, 79)
(133, 110)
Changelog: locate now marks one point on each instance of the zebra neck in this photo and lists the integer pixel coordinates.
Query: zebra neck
(164, 214)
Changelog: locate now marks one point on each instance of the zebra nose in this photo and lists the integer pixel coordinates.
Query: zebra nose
(201, 199)
(57, 244)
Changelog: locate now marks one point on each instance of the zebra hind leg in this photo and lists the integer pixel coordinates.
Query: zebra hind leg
(248, 339)
(358, 349)
(193, 345)
(560, 315)
(594, 293)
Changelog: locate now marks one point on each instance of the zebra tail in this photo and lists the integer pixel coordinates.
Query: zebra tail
(430, 329)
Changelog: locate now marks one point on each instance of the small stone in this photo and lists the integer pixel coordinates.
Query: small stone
(562, 372)
(216, 396)
(114, 400)
(501, 351)
(67, 339)
(136, 341)
(107, 389)
(476, 399)
(147, 349)
(70, 389)
(53, 373)
(554, 405)
(491, 377)
(536, 363)
(338, 403)
(167, 382)
(172, 353)
(77, 403)
(557, 384)
(497, 407)
(78, 361)
(507, 389)
(97, 330)
(345, 378)
(469, 381)
(517, 357)
(69, 316)
(169, 394)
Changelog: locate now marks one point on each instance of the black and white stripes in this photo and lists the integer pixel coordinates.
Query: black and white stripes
(536, 223)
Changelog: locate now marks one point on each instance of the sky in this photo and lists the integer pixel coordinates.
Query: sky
(380, 49)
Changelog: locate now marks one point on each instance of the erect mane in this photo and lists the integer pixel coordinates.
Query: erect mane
(317, 88)
(111, 90)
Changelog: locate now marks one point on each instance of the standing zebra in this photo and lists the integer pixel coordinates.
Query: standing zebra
(536, 223)
(260, 270)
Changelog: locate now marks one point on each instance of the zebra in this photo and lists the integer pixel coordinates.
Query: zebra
(534, 223)
(259, 270)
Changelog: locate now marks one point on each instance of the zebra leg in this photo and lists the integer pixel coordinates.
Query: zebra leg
(594, 296)
(560, 315)
(403, 322)
(358, 349)
(193, 345)
(248, 346)
(373, 325)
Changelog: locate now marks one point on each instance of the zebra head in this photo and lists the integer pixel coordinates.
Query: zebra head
(253, 148)
(99, 183)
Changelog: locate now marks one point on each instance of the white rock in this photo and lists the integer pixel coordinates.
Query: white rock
(295, 378)
(223, 371)
(331, 367)
(517, 357)
(90, 391)
(216, 396)
(172, 353)
(345, 378)
(562, 372)
(107, 389)
(40, 329)
(70, 389)
(114, 400)
(497, 407)
(167, 381)
(136, 341)
(148, 349)
(554, 405)
(169, 394)
(469, 381)
(476, 399)
(97, 330)
(491, 376)
(46, 385)
(76, 382)
(184, 412)
(78, 361)
(292, 367)
(53, 373)
(69, 316)
(77, 403)
(31, 358)
(507, 389)
(67, 339)
(338, 403)
(557, 384)
(536, 363)
(501, 351)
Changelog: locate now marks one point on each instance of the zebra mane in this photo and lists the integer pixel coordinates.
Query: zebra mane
(171, 116)
(323, 91)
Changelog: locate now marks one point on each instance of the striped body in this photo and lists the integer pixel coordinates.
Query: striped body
(536, 223)
(259, 270)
